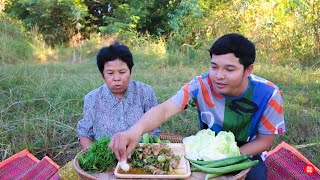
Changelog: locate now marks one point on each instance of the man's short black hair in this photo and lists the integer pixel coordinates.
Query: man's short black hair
(113, 52)
(237, 44)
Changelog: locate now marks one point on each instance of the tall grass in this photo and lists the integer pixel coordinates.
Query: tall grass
(40, 104)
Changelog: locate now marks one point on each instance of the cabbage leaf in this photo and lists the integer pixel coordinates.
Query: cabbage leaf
(206, 146)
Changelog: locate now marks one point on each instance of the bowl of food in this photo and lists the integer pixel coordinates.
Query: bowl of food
(87, 175)
(150, 161)
(156, 161)
(95, 161)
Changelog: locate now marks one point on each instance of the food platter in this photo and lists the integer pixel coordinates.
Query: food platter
(181, 172)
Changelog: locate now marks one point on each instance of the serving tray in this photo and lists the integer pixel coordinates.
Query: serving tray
(182, 172)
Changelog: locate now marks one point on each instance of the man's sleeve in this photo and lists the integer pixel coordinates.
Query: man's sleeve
(272, 120)
(186, 93)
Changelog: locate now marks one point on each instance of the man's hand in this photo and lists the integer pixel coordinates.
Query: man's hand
(258, 145)
(123, 143)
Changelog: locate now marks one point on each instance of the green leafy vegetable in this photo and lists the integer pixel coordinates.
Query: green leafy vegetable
(98, 157)
(206, 146)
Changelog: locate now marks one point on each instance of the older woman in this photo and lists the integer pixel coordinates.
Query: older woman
(119, 103)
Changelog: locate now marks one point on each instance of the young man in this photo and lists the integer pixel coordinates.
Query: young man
(228, 98)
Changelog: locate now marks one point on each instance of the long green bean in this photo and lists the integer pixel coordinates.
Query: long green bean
(226, 169)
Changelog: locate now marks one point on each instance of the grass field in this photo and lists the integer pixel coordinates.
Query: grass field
(40, 104)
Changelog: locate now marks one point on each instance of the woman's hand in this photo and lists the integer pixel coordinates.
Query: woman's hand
(85, 142)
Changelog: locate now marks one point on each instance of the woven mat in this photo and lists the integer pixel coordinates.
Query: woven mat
(285, 162)
(24, 165)
(174, 138)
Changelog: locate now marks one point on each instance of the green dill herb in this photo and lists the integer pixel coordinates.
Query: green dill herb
(98, 157)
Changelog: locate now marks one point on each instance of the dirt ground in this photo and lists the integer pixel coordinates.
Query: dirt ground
(67, 155)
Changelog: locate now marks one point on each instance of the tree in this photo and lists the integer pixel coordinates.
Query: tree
(56, 19)
(3, 4)
(308, 14)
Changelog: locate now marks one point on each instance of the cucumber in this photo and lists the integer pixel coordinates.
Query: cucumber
(156, 139)
(221, 162)
(166, 141)
(227, 169)
(151, 139)
(146, 138)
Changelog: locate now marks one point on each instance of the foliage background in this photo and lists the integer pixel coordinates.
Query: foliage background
(46, 46)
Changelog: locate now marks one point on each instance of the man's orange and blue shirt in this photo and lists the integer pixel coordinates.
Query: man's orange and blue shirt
(258, 110)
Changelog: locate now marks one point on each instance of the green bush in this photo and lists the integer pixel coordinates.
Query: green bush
(15, 45)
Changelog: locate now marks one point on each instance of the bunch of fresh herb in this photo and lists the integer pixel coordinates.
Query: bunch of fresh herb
(98, 157)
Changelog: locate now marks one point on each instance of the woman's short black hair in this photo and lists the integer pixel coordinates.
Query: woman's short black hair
(237, 44)
(113, 52)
